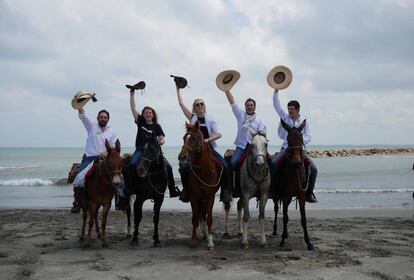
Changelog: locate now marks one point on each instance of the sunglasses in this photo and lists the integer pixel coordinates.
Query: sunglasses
(199, 104)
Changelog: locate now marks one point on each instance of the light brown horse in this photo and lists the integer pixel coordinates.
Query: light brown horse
(100, 188)
(203, 180)
(293, 181)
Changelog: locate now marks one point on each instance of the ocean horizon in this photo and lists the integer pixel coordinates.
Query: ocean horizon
(36, 178)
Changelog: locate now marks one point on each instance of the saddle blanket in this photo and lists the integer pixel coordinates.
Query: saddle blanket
(79, 181)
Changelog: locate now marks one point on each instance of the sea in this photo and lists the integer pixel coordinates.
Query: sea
(36, 178)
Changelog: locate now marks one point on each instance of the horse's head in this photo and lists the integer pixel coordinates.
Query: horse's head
(259, 148)
(114, 163)
(193, 143)
(295, 142)
(151, 153)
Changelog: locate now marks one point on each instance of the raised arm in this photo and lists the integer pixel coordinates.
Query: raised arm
(132, 104)
(185, 110)
(276, 104)
(230, 97)
(85, 120)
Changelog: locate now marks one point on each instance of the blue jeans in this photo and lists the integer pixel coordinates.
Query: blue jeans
(235, 158)
(314, 170)
(135, 157)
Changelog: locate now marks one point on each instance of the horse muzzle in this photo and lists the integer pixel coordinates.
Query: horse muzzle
(116, 180)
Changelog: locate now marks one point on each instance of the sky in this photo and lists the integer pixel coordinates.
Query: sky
(352, 64)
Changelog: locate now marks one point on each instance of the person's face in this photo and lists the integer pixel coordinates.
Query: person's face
(199, 106)
(249, 107)
(293, 112)
(148, 115)
(103, 119)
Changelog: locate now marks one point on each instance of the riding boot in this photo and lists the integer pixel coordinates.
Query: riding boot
(225, 190)
(184, 196)
(173, 189)
(236, 184)
(310, 196)
(77, 194)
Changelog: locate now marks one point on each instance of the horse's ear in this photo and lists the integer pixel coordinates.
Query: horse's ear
(187, 126)
(302, 125)
(108, 148)
(118, 146)
(285, 125)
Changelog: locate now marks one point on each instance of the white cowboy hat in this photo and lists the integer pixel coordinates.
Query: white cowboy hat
(227, 79)
(279, 77)
(81, 98)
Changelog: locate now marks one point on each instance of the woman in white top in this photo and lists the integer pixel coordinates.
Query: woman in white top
(210, 132)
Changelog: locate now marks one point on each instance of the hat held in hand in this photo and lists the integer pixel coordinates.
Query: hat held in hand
(81, 98)
(180, 82)
(140, 85)
(279, 77)
(227, 79)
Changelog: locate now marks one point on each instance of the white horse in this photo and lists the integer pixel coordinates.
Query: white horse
(254, 182)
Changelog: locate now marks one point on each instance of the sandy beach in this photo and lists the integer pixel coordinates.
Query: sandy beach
(349, 244)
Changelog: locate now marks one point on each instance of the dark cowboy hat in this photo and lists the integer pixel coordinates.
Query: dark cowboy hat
(180, 82)
(140, 85)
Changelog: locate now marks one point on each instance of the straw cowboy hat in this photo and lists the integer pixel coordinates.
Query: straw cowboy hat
(180, 82)
(227, 79)
(81, 98)
(279, 77)
(140, 85)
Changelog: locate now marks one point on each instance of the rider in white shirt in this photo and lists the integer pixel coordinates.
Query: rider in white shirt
(294, 119)
(95, 148)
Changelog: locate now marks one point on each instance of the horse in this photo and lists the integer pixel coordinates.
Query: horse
(203, 180)
(293, 182)
(100, 188)
(254, 182)
(147, 181)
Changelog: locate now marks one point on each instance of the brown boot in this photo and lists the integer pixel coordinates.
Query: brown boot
(77, 194)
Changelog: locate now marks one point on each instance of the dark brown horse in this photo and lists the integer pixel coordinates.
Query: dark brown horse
(203, 180)
(292, 182)
(100, 188)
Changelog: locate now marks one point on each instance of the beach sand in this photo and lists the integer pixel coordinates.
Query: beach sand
(349, 244)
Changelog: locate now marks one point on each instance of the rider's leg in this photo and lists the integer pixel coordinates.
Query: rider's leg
(173, 189)
(312, 179)
(184, 196)
(234, 166)
(78, 189)
(225, 191)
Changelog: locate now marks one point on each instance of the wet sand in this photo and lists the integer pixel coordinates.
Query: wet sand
(349, 244)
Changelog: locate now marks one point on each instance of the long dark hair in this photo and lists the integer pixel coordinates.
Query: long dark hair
(154, 118)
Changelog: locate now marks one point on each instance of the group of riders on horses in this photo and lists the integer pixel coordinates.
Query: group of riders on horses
(248, 124)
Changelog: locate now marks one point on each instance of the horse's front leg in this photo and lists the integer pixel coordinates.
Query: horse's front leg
(226, 218)
(91, 211)
(262, 206)
(194, 219)
(246, 217)
(239, 215)
(98, 233)
(157, 207)
(128, 212)
(84, 216)
(303, 221)
(285, 235)
(276, 210)
(137, 219)
(105, 212)
(210, 204)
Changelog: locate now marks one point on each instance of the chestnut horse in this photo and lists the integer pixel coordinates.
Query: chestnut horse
(100, 188)
(203, 180)
(293, 181)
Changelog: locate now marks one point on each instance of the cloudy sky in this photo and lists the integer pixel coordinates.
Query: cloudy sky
(352, 64)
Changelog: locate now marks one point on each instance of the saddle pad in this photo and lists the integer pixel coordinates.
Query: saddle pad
(91, 171)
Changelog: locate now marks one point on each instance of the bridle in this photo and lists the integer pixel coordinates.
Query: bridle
(249, 171)
(103, 164)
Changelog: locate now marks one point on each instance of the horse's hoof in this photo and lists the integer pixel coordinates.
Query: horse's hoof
(134, 242)
(274, 233)
(105, 244)
(98, 236)
(85, 245)
(245, 246)
(282, 243)
(210, 248)
(310, 247)
(129, 236)
(193, 245)
(263, 245)
(157, 244)
(226, 235)
(81, 239)
(240, 233)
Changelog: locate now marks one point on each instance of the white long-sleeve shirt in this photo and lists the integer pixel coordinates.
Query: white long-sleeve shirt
(95, 142)
(210, 124)
(244, 135)
(306, 132)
